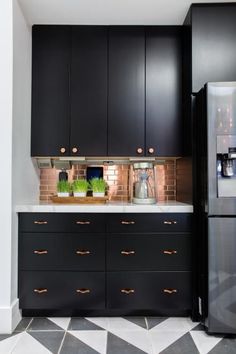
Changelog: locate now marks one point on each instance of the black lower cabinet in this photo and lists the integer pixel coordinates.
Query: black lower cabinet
(62, 290)
(98, 265)
(166, 293)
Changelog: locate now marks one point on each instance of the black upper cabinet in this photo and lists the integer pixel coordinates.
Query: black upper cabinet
(50, 91)
(163, 90)
(126, 99)
(89, 91)
(213, 43)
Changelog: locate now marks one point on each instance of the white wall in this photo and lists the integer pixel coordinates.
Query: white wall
(18, 178)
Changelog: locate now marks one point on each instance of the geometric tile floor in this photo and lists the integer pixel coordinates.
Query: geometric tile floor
(115, 335)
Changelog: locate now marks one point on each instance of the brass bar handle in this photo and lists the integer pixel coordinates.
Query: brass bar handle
(170, 291)
(127, 253)
(39, 222)
(41, 291)
(127, 291)
(170, 222)
(170, 252)
(123, 222)
(82, 252)
(83, 291)
(40, 252)
(83, 222)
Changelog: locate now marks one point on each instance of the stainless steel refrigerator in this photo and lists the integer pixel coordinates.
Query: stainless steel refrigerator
(215, 197)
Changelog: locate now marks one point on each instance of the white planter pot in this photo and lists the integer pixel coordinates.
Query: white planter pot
(63, 194)
(79, 194)
(98, 194)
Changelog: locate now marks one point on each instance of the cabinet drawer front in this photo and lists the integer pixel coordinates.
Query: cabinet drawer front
(149, 252)
(56, 251)
(61, 290)
(61, 222)
(153, 222)
(165, 292)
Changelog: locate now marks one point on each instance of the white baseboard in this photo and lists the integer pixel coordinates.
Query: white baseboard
(9, 317)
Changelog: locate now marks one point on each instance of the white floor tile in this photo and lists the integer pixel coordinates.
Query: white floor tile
(175, 324)
(121, 324)
(204, 342)
(94, 339)
(62, 322)
(161, 340)
(99, 321)
(28, 345)
(7, 345)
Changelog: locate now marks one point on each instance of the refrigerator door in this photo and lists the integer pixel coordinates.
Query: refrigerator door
(221, 135)
(222, 275)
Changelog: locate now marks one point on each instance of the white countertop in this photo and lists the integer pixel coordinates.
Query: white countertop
(110, 207)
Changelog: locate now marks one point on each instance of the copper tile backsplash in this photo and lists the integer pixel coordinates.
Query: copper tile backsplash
(117, 177)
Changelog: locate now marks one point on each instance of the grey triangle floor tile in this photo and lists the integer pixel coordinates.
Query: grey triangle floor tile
(49, 339)
(199, 327)
(184, 345)
(225, 346)
(116, 345)
(154, 321)
(5, 336)
(23, 324)
(80, 323)
(43, 324)
(139, 321)
(73, 345)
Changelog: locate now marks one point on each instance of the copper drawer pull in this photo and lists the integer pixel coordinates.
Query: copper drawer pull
(170, 252)
(127, 291)
(82, 252)
(170, 291)
(40, 222)
(83, 291)
(40, 252)
(83, 222)
(123, 222)
(41, 291)
(127, 253)
(171, 222)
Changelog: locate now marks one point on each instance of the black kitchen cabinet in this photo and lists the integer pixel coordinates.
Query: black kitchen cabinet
(126, 99)
(164, 90)
(212, 46)
(88, 88)
(50, 90)
(93, 264)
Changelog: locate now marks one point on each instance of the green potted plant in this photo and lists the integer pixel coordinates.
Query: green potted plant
(63, 188)
(98, 186)
(80, 187)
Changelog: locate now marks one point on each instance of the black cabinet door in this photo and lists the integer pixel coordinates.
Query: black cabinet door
(50, 91)
(126, 99)
(213, 44)
(163, 90)
(89, 91)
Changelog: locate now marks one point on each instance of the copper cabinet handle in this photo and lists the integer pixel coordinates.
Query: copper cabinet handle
(41, 291)
(170, 222)
(62, 150)
(74, 150)
(139, 150)
(82, 252)
(83, 291)
(40, 252)
(127, 291)
(39, 222)
(83, 222)
(150, 150)
(170, 291)
(170, 252)
(127, 253)
(123, 222)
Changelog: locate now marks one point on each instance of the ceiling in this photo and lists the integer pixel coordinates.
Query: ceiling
(140, 12)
